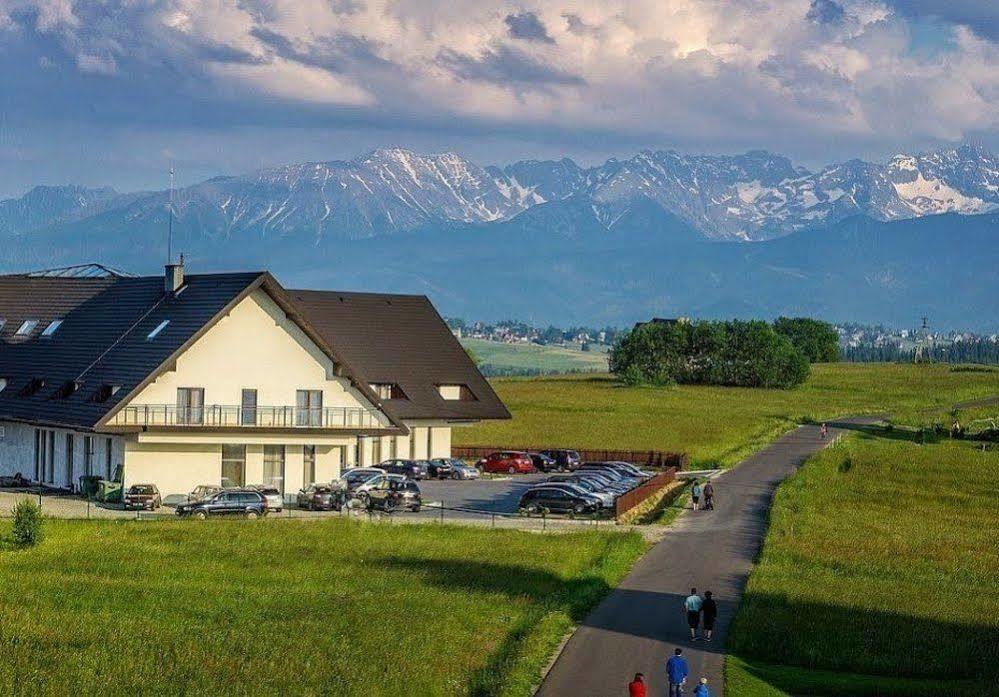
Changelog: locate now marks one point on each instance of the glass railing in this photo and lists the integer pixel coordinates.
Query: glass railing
(231, 416)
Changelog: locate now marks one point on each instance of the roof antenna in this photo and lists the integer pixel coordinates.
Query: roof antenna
(170, 223)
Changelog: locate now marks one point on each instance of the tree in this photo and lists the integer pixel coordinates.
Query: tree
(816, 339)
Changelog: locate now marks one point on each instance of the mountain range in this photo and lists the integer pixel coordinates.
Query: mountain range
(658, 233)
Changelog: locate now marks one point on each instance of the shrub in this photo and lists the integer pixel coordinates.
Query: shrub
(27, 529)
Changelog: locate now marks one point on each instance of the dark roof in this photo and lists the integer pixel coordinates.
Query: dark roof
(102, 339)
(401, 340)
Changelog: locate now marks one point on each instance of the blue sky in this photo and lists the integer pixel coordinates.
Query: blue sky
(117, 91)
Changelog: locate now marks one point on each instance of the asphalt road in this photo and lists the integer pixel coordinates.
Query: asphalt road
(639, 624)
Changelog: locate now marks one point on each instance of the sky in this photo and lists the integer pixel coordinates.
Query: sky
(116, 92)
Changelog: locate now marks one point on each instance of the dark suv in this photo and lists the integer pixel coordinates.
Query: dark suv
(414, 469)
(245, 502)
(565, 460)
(439, 468)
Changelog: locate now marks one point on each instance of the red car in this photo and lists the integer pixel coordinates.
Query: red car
(507, 461)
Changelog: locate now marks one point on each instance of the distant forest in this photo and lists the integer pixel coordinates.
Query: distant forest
(967, 351)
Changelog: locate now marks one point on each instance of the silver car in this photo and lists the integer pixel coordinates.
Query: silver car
(274, 498)
(462, 470)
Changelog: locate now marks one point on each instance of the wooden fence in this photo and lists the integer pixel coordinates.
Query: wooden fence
(627, 501)
(645, 458)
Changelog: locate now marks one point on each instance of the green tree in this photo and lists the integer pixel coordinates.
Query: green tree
(816, 339)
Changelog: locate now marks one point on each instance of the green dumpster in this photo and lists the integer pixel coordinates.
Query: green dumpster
(110, 492)
(90, 485)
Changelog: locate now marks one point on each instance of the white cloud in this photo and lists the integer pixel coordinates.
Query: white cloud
(697, 69)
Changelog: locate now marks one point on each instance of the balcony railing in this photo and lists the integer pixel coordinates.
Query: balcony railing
(230, 416)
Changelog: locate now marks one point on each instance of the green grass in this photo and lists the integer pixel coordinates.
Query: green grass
(532, 357)
(268, 607)
(879, 576)
(714, 425)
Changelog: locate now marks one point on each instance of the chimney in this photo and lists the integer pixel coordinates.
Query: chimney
(174, 276)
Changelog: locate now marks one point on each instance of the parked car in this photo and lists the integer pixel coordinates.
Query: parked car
(320, 497)
(414, 469)
(634, 469)
(507, 461)
(394, 492)
(245, 502)
(557, 500)
(565, 460)
(542, 462)
(607, 481)
(612, 472)
(273, 496)
(607, 498)
(439, 468)
(459, 469)
(145, 496)
(353, 478)
(203, 491)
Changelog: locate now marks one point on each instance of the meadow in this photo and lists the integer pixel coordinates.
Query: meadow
(496, 356)
(879, 576)
(332, 607)
(716, 426)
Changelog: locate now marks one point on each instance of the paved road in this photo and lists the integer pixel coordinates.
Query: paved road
(641, 622)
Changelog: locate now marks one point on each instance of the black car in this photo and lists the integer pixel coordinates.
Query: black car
(557, 500)
(439, 468)
(542, 462)
(414, 469)
(565, 460)
(320, 497)
(244, 502)
(394, 493)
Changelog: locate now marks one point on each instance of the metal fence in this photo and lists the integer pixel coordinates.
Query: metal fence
(645, 458)
(231, 415)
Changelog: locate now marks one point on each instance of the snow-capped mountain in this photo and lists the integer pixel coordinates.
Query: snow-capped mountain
(757, 195)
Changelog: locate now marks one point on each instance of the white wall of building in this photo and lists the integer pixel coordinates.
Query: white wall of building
(17, 453)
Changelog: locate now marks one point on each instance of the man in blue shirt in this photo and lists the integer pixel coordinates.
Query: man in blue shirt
(676, 673)
(693, 605)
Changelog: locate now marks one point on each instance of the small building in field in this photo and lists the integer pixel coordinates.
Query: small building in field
(222, 379)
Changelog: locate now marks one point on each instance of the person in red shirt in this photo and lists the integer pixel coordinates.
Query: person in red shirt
(636, 688)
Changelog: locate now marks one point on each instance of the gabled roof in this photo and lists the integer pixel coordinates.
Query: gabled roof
(402, 340)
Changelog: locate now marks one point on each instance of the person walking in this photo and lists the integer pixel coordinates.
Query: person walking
(636, 688)
(676, 673)
(702, 689)
(692, 605)
(824, 431)
(709, 496)
(709, 611)
(695, 493)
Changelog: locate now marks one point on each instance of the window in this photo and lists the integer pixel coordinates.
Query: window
(3, 384)
(67, 389)
(32, 387)
(248, 410)
(88, 455)
(159, 328)
(26, 327)
(105, 392)
(51, 329)
(388, 390)
(233, 465)
(393, 447)
(412, 442)
(3, 323)
(69, 458)
(274, 467)
(108, 459)
(456, 393)
(309, 465)
(376, 450)
(430, 442)
(310, 408)
(190, 405)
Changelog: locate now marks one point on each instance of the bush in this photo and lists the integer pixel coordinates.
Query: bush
(27, 530)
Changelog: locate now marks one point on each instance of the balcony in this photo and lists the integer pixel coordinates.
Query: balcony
(232, 416)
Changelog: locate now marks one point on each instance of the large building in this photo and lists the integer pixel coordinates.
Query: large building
(221, 379)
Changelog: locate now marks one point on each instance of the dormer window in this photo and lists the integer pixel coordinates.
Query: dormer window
(26, 327)
(51, 329)
(67, 389)
(33, 386)
(3, 384)
(159, 328)
(456, 393)
(388, 390)
(105, 392)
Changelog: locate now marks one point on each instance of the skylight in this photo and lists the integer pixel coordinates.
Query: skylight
(159, 328)
(27, 327)
(51, 329)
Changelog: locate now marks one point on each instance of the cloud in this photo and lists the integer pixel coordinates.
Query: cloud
(528, 27)
(504, 65)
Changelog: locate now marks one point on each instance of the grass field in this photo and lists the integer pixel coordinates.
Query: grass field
(714, 425)
(879, 576)
(282, 607)
(514, 358)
